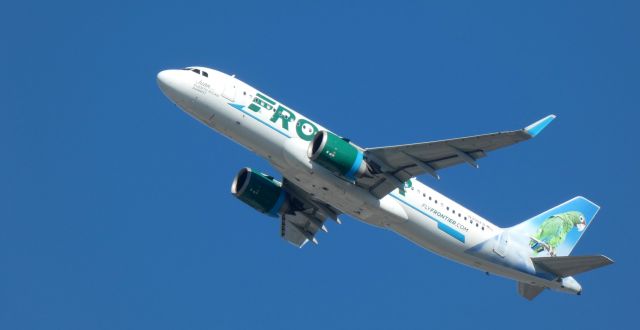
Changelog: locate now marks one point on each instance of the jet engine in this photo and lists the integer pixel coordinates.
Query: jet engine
(260, 191)
(337, 155)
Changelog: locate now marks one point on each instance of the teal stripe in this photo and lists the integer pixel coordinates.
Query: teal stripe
(241, 108)
(276, 207)
(355, 166)
(452, 232)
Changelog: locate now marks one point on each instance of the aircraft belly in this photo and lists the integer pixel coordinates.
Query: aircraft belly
(425, 234)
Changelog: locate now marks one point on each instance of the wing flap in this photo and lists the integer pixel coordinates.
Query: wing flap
(306, 217)
(294, 233)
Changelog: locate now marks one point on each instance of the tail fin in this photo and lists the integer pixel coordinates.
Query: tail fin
(556, 231)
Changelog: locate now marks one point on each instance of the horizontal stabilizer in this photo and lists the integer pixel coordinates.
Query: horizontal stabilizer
(529, 291)
(570, 265)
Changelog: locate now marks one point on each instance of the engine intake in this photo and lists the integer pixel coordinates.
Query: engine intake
(260, 191)
(337, 155)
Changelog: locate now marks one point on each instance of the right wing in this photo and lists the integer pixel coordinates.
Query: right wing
(393, 165)
(305, 217)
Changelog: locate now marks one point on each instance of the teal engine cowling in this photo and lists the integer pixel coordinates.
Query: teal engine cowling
(260, 191)
(337, 155)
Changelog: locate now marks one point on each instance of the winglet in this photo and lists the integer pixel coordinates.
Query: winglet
(537, 127)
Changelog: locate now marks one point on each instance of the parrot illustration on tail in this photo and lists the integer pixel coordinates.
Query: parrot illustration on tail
(553, 231)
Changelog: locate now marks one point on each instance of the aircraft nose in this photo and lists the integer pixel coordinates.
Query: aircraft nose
(174, 85)
(165, 82)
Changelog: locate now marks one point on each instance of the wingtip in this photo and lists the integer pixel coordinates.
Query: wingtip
(537, 127)
(608, 260)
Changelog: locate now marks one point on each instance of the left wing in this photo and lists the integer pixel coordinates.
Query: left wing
(394, 165)
(306, 216)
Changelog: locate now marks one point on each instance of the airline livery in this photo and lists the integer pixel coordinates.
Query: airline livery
(326, 175)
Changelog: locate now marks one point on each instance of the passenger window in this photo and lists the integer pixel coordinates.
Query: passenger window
(196, 71)
(204, 73)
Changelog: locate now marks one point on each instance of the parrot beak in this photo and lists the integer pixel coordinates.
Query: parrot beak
(582, 225)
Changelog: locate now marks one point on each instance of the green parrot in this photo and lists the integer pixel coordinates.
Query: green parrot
(553, 231)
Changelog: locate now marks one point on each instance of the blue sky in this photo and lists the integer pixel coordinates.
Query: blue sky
(115, 209)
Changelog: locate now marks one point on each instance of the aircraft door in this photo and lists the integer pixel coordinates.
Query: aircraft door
(229, 92)
(501, 245)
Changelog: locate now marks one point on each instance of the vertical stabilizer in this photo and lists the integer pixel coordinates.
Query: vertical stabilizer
(557, 231)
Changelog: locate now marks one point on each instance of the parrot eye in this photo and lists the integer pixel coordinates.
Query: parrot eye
(581, 219)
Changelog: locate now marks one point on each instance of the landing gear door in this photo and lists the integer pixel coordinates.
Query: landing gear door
(501, 244)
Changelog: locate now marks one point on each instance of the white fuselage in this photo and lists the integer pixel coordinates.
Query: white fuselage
(416, 212)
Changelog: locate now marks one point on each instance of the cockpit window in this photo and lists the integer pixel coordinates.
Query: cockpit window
(202, 73)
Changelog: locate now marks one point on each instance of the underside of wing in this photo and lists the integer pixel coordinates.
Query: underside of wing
(392, 166)
(298, 228)
(305, 217)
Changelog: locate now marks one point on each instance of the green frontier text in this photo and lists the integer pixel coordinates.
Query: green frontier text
(284, 116)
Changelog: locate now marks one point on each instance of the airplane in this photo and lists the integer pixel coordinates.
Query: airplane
(326, 175)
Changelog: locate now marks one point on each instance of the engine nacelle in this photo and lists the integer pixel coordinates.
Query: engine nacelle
(260, 191)
(337, 155)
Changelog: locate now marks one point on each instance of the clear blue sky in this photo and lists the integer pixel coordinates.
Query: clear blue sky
(115, 211)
